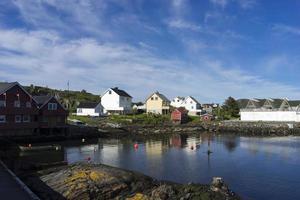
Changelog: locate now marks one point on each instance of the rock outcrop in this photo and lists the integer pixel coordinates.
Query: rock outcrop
(88, 181)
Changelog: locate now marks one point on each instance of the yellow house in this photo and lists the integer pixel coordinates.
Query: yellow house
(157, 103)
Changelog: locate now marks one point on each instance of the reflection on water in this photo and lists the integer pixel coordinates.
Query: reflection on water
(256, 168)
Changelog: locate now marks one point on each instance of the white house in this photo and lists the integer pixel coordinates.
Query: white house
(270, 110)
(189, 103)
(177, 102)
(89, 109)
(115, 100)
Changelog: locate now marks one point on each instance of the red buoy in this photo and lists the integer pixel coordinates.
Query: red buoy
(136, 146)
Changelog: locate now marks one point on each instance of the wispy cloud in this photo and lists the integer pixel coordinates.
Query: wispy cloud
(51, 60)
(282, 28)
(244, 4)
(182, 24)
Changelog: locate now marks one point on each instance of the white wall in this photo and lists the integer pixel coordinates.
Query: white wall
(88, 112)
(270, 116)
(177, 102)
(113, 102)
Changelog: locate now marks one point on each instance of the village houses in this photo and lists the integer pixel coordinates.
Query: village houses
(157, 103)
(92, 109)
(189, 103)
(116, 101)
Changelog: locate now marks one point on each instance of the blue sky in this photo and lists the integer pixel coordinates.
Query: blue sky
(210, 49)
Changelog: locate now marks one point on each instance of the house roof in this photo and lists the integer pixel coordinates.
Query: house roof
(193, 99)
(41, 100)
(242, 103)
(4, 86)
(163, 97)
(88, 105)
(294, 103)
(182, 110)
(121, 93)
(276, 103)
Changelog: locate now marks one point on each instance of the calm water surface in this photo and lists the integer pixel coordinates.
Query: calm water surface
(255, 168)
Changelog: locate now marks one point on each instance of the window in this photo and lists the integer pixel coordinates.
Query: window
(52, 106)
(109, 92)
(26, 118)
(17, 104)
(2, 103)
(45, 119)
(156, 98)
(18, 118)
(28, 104)
(79, 110)
(191, 102)
(177, 100)
(152, 98)
(192, 107)
(2, 118)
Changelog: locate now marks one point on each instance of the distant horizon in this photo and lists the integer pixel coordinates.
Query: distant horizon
(209, 49)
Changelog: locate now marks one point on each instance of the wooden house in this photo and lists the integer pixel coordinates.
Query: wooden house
(179, 116)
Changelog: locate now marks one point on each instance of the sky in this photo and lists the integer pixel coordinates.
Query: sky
(209, 49)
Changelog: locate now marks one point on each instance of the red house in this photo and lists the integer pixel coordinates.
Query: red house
(18, 111)
(52, 116)
(22, 115)
(179, 115)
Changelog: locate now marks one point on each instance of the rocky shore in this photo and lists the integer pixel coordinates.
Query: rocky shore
(89, 181)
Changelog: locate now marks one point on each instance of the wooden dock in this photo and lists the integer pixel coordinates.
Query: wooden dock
(11, 187)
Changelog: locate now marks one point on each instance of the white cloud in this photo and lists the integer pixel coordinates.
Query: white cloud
(282, 28)
(247, 4)
(222, 3)
(47, 59)
(182, 24)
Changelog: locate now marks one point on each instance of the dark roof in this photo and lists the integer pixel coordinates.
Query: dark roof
(242, 103)
(41, 100)
(182, 110)
(294, 103)
(87, 105)
(121, 92)
(4, 86)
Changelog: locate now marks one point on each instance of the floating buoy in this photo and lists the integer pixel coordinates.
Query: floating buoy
(56, 148)
(29, 145)
(136, 145)
(95, 149)
(83, 140)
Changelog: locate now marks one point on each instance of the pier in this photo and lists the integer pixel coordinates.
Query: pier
(11, 187)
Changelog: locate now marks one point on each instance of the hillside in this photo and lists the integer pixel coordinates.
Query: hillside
(70, 99)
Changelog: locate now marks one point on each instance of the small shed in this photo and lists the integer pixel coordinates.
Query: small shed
(179, 115)
(207, 117)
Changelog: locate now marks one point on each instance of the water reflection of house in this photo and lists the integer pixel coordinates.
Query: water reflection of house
(178, 141)
(153, 148)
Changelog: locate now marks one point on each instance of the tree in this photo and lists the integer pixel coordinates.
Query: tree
(231, 107)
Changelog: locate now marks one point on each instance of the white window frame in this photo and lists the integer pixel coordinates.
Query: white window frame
(18, 116)
(2, 103)
(52, 106)
(17, 104)
(26, 120)
(3, 117)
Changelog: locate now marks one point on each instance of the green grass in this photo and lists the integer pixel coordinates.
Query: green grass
(141, 119)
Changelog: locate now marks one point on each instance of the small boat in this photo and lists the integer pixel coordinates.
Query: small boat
(40, 148)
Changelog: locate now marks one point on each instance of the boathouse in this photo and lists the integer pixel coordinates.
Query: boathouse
(179, 115)
(282, 110)
(18, 111)
(52, 116)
